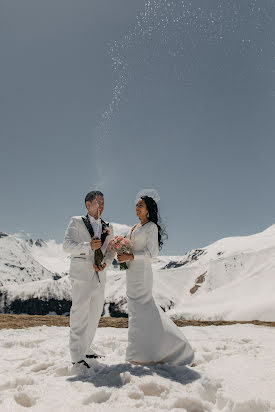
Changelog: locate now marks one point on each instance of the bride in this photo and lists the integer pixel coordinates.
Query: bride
(152, 336)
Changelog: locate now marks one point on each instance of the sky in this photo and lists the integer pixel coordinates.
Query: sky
(118, 96)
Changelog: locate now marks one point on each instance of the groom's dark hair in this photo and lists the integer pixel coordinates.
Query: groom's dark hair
(92, 195)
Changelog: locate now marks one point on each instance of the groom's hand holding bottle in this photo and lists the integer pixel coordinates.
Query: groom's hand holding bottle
(95, 245)
(99, 268)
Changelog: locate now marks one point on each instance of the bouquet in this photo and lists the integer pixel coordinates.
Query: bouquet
(121, 245)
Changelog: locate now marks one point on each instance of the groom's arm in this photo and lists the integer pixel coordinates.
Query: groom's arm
(70, 243)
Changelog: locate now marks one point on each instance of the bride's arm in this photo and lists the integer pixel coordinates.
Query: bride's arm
(152, 247)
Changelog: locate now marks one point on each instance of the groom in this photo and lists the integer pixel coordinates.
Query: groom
(86, 239)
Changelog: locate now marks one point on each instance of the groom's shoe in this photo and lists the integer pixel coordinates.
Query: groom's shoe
(82, 362)
(95, 356)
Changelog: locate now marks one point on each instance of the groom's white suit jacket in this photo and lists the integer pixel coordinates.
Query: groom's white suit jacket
(77, 242)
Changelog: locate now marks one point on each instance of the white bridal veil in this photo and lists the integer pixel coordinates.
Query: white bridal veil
(148, 192)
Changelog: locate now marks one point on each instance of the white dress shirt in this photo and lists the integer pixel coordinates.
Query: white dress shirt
(96, 225)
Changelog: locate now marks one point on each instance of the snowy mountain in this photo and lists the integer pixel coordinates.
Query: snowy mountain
(231, 279)
(52, 255)
(48, 296)
(17, 264)
(37, 242)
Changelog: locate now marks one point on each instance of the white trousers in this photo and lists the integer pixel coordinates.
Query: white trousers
(87, 306)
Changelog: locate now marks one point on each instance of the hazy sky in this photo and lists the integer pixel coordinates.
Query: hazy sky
(193, 91)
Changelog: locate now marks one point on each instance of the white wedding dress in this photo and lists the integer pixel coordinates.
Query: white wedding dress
(152, 335)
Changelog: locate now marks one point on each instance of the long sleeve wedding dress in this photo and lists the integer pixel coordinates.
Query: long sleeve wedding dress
(152, 336)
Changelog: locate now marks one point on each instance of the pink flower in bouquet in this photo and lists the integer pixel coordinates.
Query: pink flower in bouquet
(121, 245)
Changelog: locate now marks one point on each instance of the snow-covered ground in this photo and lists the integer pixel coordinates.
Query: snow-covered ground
(234, 372)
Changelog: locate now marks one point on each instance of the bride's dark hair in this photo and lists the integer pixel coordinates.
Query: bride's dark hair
(154, 216)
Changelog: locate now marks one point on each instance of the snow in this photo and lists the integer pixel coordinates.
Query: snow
(234, 372)
(43, 289)
(52, 256)
(17, 265)
(231, 279)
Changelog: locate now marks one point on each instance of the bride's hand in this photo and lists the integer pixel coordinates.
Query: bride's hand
(124, 258)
